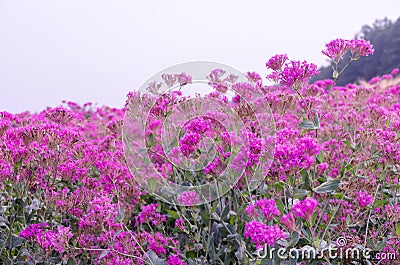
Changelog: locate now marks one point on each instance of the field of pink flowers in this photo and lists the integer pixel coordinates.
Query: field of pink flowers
(68, 197)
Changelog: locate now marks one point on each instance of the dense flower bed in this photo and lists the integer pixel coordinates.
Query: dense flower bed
(67, 196)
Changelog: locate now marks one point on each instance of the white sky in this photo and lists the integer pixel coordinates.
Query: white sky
(98, 51)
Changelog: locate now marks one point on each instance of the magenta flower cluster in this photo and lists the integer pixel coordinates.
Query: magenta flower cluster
(305, 208)
(182, 78)
(265, 208)
(70, 164)
(150, 215)
(276, 62)
(337, 48)
(363, 198)
(292, 73)
(261, 234)
(73, 158)
(189, 198)
(48, 239)
(289, 221)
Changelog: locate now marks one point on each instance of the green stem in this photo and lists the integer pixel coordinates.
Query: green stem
(369, 215)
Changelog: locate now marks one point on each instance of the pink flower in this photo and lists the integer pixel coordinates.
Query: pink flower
(57, 240)
(335, 49)
(265, 206)
(180, 224)
(175, 260)
(305, 208)
(169, 79)
(4, 125)
(214, 167)
(294, 73)
(149, 214)
(374, 80)
(254, 77)
(261, 234)
(215, 76)
(60, 115)
(322, 167)
(189, 198)
(189, 143)
(221, 87)
(361, 48)
(156, 242)
(363, 198)
(386, 77)
(289, 221)
(184, 79)
(276, 62)
(34, 231)
(50, 239)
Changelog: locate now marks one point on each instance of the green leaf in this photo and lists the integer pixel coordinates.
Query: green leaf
(347, 142)
(280, 186)
(371, 243)
(121, 215)
(316, 119)
(117, 233)
(280, 205)
(210, 246)
(225, 211)
(381, 244)
(398, 229)
(173, 214)
(299, 193)
(320, 157)
(342, 169)
(152, 184)
(240, 254)
(17, 241)
(348, 220)
(232, 237)
(151, 140)
(358, 146)
(328, 186)
(105, 252)
(3, 222)
(339, 195)
(232, 219)
(379, 203)
(205, 215)
(294, 238)
(19, 202)
(153, 259)
(372, 148)
(214, 207)
(314, 218)
(18, 164)
(307, 181)
(308, 125)
(191, 254)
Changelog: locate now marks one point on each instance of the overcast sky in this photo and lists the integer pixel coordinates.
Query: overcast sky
(98, 51)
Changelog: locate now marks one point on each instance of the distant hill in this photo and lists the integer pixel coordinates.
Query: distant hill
(385, 37)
